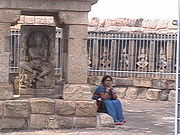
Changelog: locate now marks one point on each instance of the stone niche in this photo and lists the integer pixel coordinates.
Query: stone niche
(37, 60)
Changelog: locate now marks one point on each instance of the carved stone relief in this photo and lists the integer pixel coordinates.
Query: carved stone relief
(162, 63)
(37, 57)
(142, 62)
(124, 59)
(105, 59)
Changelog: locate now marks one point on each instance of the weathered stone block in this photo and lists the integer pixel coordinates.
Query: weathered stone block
(86, 108)
(1, 108)
(66, 122)
(142, 93)
(94, 80)
(37, 92)
(42, 106)
(171, 85)
(172, 96)
(160, 84)
(154, 94)
(123, 82)
(4, 41)
(10, 16)
(74, 17)
(121, 92)
(93, 89)
(65, 108)
(77, 55)
(13, 123)
(16, 108)
(142, 83)
(85, 122)
(132, 93)
(6, 90)
(39, 121)
(78, 96)
(77, 92)
(53, 122)
(105, 120)
(164, 96)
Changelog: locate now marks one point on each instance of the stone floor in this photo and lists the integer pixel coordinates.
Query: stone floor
(143, 118)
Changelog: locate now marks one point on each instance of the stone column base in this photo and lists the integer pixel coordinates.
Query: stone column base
(6, 91)
(77, 92)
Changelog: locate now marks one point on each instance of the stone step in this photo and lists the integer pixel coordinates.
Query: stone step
(104, 120)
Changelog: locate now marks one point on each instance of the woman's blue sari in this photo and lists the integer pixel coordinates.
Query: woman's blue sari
(113, 107)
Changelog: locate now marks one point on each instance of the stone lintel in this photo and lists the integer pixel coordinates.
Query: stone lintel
(73, 18)
(48, 5)
(9, 16)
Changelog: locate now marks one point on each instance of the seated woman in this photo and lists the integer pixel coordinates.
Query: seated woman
(106, 96)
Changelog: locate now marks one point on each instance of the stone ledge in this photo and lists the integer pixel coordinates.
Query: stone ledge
(42, 106)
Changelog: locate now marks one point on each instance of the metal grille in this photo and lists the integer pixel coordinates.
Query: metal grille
(132, 55)
(14, 51)
(120, 55)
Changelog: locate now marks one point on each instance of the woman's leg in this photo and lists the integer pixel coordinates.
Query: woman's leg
(110, 109)
(118, 110)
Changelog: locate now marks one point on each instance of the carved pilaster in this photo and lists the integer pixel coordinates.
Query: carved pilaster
(7, 17)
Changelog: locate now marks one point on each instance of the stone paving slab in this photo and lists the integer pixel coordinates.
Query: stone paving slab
(143, 118)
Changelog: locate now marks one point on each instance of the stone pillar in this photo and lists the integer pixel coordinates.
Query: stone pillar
(75, 26)
(76, 49)
(76, 89)
(7, 18)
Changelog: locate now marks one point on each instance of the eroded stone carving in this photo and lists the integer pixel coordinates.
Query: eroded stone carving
(124, 59)
(162, 63)
(105, 59)
(142, 60)
(37, 66)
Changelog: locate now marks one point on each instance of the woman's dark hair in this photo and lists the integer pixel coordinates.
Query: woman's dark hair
(105, 77)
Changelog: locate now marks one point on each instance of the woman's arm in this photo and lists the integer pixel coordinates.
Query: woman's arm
(113, 94)
(105, 95)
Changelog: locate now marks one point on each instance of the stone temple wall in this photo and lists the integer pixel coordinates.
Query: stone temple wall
(138, 88)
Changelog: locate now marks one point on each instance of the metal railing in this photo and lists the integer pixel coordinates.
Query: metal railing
(117, 54)
(132, 55)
